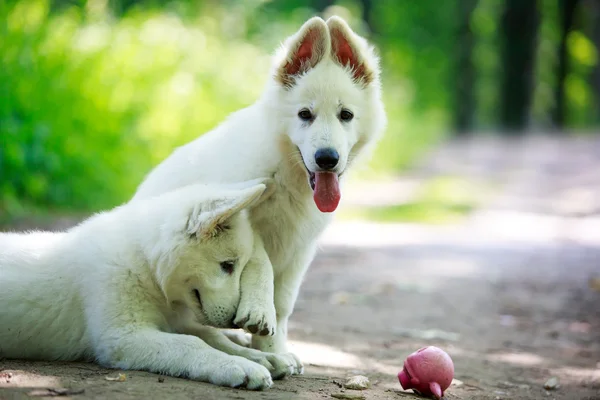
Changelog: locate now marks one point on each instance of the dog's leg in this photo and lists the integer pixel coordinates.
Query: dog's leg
(287, 286)
(180, 355)
(256, 310)
(280, 366)
(238, 337)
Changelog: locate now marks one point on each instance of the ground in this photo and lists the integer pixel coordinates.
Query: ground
(511, 292)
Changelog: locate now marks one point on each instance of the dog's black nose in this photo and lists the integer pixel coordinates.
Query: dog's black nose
(327, 158)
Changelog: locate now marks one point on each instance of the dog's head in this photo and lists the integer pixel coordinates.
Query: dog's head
(327, 88)
(204, 247)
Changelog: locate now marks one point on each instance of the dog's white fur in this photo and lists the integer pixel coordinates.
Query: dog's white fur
(119, 287)
(324, 67)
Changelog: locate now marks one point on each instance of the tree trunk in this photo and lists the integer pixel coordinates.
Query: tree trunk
(593, 7)
(367, 14)
(519, 27)
(464, 107)
(566, 17)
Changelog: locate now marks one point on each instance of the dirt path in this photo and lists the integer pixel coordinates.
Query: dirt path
(510, 293)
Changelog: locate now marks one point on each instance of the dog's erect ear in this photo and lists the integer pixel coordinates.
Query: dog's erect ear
(349, 50)
(303, 51)
(212, 218)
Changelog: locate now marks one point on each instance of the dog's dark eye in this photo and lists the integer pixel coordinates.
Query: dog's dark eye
(346, 115)
(228, 266)
(305, 115)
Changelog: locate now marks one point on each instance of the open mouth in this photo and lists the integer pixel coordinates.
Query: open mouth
(326, 188)
(206, 319)
(197, 294)
(311, 179)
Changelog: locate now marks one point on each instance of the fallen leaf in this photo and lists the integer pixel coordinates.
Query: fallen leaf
(119, 378)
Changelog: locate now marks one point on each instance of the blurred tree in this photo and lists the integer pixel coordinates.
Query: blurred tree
(519, 26)
(367, 14)
(321, 5)
(145, 76)
(566, 14)
(120, 7)
(591, 9)
(464, 106)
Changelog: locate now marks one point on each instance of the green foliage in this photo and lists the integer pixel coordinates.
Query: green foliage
(89, 103)
(486, 58)
(92, 98)
(93, 93)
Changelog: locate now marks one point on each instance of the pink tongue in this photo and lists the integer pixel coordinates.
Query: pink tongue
(327, 191)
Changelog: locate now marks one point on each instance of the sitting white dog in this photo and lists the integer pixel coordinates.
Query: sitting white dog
(320, 112)
(138, 287)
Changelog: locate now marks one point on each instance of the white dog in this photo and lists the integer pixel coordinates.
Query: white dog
(136, 287)
(321, 109)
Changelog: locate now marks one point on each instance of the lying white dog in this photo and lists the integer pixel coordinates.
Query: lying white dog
(320, 111)
(136, 287)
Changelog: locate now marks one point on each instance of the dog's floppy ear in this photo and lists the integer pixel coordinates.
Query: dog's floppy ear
(268, 182)
(351, 51)
(303, 51)
(213, 217)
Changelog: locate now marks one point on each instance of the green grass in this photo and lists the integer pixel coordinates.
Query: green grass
(419, 212)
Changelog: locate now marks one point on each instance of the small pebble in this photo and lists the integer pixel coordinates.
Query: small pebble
(552, 384)
(457, 383)
(357, 382)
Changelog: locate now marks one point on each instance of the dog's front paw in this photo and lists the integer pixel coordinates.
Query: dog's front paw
(238, 372)
(276, 345)
(298, 367)
(256, 320)
(279, 365)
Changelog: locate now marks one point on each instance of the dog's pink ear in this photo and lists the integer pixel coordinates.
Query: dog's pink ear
(346, 51)
(303, 51)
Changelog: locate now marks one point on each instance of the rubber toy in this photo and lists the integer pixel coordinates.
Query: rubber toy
(428, 372)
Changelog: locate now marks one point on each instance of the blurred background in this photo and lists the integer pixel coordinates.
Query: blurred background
(93, 93)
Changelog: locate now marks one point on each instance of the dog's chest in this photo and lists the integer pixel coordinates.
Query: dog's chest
(289, 228)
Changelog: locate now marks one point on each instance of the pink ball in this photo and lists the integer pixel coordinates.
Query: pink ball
(428, 371)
